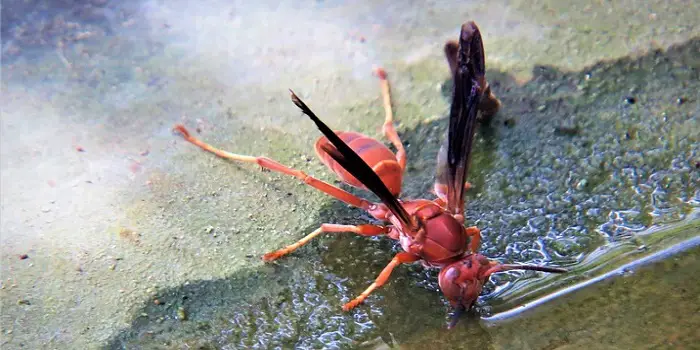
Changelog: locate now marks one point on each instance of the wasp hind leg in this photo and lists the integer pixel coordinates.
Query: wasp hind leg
(388, 127)
(363, 230)
(277, 167)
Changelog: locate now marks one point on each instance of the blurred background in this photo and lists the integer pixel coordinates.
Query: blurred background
(116, 233)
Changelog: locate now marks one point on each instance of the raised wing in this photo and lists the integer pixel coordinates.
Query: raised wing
(351, 161)
(455, 154)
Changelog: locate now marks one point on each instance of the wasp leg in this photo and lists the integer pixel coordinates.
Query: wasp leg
(388, 127)
(363, 230)
(474, 233)
(275, 166)
(400, 258)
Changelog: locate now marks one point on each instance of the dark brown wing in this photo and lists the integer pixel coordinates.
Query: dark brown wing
(465, 99)
(350, 161)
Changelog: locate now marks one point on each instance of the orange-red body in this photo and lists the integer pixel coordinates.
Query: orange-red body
(378, 156)
(441, 238)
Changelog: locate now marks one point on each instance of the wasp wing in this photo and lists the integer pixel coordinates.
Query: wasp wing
(455, 155)
(351, 161)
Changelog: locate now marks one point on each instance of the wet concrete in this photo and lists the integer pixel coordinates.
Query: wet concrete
(127, 230)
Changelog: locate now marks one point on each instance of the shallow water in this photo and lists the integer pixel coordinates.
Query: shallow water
(591, 164)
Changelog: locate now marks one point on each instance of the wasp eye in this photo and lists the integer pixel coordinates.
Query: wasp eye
(452, 273)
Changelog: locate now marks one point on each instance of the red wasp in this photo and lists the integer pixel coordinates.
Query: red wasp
(431, 231)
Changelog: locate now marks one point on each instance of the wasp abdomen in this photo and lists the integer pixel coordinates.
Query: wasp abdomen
(378, 156)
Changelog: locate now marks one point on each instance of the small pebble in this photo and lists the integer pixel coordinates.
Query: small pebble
(182, 313)
(581, 184)
(567, 130)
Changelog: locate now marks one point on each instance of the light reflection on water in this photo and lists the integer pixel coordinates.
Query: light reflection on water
(624, 269)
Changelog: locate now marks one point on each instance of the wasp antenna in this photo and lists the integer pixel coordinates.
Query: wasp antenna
(549, 269)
